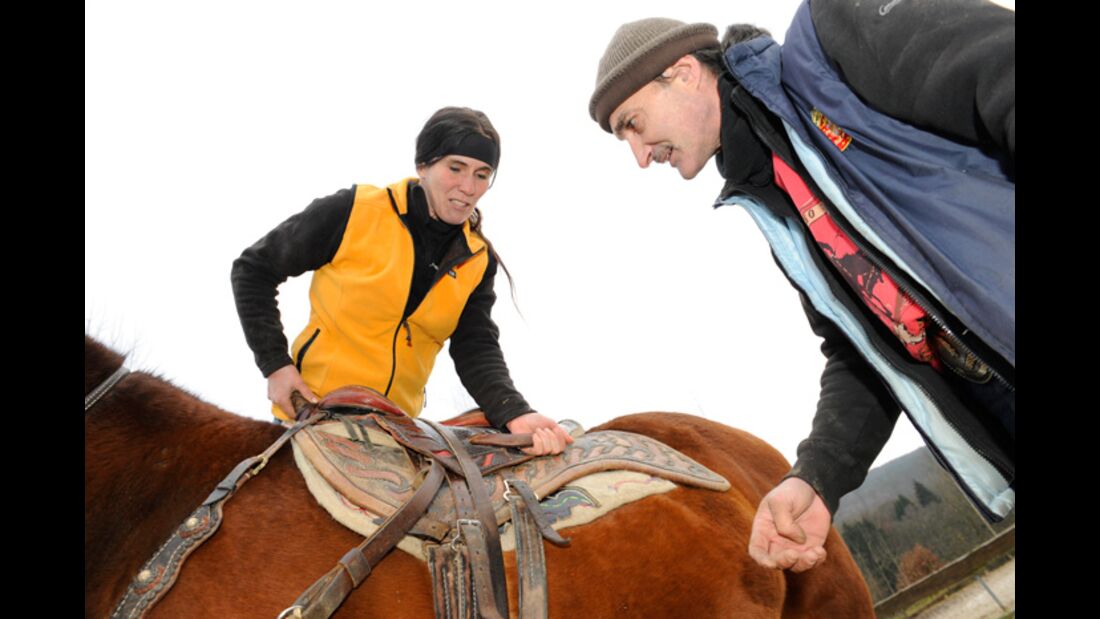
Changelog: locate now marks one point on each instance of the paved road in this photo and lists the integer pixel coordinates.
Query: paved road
(974, 602)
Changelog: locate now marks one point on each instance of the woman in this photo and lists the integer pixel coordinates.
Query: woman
(368, 324)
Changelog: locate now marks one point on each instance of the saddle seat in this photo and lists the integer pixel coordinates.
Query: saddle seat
(365, 463)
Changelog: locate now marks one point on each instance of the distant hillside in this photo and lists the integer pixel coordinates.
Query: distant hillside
(909, 516)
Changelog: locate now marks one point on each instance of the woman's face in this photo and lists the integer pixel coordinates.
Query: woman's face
(453, 186)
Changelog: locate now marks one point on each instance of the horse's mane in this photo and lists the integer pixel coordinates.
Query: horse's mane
(99, 362)
(158, 395)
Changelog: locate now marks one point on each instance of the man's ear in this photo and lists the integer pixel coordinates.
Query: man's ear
(687, 68)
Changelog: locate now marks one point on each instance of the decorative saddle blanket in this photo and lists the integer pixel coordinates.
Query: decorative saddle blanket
(358, 471)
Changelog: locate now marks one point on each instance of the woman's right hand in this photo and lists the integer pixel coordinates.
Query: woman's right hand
(547, 436)
(284, 381)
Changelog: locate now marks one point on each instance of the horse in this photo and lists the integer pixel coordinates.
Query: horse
(153, 451)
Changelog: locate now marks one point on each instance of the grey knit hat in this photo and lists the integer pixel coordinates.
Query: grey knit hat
(638, 52)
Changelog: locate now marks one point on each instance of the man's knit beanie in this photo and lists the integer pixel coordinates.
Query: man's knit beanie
(637, 54)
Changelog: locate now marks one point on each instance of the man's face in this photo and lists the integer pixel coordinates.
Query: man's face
(670, 122)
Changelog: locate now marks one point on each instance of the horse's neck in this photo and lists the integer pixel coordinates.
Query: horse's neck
(99, 363)
(152, 452)
(152, 436)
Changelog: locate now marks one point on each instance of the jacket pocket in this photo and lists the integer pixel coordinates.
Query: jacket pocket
(304, 348)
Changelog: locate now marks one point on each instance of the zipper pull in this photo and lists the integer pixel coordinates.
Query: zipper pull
(408, 333)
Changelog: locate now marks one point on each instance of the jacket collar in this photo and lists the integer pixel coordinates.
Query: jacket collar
(749, 135)
(399, 199)
(743, 159)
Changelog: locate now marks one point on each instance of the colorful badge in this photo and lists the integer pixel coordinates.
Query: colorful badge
(835, 134)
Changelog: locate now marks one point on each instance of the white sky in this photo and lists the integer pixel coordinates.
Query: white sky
(208, 123)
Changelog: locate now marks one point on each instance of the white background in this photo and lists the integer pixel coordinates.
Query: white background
(208, 123)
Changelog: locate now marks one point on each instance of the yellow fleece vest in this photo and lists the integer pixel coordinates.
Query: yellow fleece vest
(355, 333)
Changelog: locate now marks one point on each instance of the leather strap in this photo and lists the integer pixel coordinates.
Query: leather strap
(101, 390)
(495, 595)
(477, 553)
(503, 440)
(249, 467)
(418, 437)
(450, 582)
(530, 561)
(160, 572)
(480, 557)
(534, 508)
(326, 595)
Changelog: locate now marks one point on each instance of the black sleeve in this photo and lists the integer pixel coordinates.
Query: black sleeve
(945, 65)
(479, 362)
(855, 417)
(305, 242)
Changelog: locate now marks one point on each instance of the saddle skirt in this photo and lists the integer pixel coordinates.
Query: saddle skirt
(360, 474)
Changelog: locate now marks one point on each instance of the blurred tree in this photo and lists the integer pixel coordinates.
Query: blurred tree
(916, 564)
(900, 505)
(925, 496)
(865, 542)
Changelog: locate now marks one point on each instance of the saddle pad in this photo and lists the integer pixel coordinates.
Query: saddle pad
(361, 476)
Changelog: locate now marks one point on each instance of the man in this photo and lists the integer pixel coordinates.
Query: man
(875, 149)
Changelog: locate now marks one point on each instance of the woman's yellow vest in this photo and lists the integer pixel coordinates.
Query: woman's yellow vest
(356, 334)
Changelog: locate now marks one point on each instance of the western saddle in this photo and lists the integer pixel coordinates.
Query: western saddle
(465, 558)
(461, 456)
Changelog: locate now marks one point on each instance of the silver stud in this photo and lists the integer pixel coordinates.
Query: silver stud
(191, 523)
(145, 576)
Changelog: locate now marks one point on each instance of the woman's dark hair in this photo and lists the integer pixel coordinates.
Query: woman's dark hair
(440, 136)
(446, 129)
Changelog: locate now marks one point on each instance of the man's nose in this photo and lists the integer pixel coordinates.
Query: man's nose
(643, 152)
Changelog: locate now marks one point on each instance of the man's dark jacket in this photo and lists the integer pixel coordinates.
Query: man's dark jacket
(900, 116)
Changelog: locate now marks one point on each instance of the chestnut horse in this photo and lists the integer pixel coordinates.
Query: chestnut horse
(152, 453)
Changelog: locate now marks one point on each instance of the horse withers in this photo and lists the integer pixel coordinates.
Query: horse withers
(153, 452)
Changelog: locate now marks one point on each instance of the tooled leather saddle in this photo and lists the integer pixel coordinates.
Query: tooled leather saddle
(489, 482)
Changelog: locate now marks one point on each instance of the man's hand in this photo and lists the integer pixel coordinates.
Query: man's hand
(790, 527)
(284, 381)
(548, 437)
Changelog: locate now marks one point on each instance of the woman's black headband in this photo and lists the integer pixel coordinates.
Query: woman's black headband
(479, 147)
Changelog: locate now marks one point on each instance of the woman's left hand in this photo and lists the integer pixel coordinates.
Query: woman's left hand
(547, 436)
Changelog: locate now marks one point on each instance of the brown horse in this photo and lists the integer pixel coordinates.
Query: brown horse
(152, 453)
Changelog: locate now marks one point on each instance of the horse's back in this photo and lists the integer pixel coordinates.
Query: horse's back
(682, 553)
(715, 528)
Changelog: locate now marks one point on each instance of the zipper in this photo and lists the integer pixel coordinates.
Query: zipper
(901, 279)
(304, 348)
(885, 355)
(404, 322)
(404, 317)
(992, 460)
(910, 290)
(454, 263)
(393, 351)
(975, 501)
